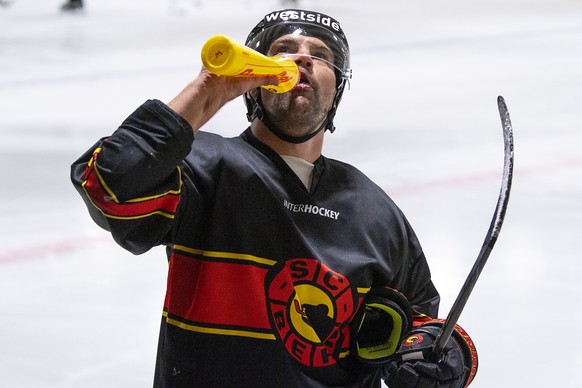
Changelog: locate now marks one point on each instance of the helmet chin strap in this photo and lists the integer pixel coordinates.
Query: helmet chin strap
(283, 136)
(271, 126)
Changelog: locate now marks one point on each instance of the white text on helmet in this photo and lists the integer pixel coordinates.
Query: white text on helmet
(306, 16)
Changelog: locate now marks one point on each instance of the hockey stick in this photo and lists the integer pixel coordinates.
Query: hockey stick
(490, 239)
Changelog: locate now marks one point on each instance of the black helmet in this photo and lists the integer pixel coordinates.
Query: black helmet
(318, 25)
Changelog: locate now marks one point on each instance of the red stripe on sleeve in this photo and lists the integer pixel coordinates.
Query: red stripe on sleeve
(166, 203)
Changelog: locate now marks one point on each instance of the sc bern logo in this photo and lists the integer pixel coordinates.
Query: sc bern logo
(309, 305)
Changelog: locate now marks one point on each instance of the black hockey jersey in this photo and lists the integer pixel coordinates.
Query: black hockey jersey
(265, 276)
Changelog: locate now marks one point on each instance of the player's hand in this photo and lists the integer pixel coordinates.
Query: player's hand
(384, 318)
(455, 369)
(229, 88)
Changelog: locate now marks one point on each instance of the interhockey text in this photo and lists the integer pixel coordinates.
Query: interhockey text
(311, 209)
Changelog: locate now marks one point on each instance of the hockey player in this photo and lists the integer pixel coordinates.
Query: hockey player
(286, 268)
(72, 5)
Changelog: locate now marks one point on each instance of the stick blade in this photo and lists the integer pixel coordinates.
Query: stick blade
(507, 167)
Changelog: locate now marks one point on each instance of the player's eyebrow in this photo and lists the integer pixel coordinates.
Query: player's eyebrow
(313, 45)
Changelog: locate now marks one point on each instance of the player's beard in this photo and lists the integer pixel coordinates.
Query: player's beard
(296, 115)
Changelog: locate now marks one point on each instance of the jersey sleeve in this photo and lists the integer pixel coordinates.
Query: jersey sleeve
(414, 278)
(425, 298)
(131, 182)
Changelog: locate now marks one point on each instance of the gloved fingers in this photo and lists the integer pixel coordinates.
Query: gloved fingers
(407, 376)
(402, 376)
(447, 373)
(451, 368)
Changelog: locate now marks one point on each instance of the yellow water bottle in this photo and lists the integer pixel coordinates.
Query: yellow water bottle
(222, 55)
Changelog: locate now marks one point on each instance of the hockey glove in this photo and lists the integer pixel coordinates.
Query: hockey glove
(384, 318)
(456, 368)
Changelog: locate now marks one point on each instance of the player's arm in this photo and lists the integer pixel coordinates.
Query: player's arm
(131, 181)
(391, 336)
(391, 319)
(205, 95)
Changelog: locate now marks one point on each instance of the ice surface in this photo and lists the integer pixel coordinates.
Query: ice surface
(420, 118)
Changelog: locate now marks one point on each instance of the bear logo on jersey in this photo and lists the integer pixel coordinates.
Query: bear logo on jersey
(309, 307)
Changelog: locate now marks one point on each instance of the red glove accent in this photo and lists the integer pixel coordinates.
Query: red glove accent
(455, 369)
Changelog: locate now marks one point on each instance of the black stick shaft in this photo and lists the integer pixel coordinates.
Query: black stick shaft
(490, 239)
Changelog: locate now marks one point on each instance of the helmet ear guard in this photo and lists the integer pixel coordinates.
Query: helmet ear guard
(323, 27)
